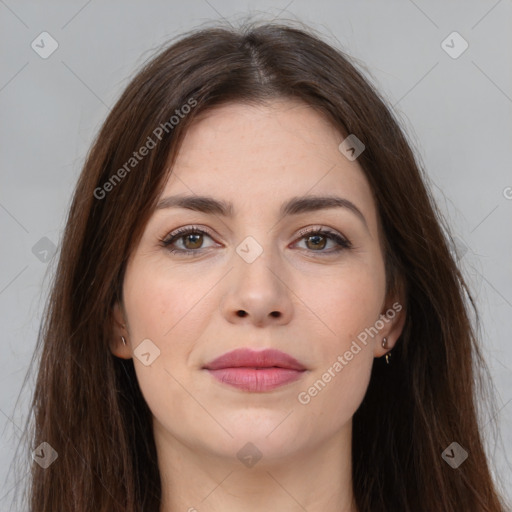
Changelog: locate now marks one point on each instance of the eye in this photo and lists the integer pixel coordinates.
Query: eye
(192, 238)
(316, 240)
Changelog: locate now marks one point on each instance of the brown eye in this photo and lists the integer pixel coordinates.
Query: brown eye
(195, 239)
(316, 242)
(186, 241)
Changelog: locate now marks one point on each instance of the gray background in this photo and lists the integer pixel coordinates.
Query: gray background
(457, 112)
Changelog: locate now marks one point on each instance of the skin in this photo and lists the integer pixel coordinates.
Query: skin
(257, 158)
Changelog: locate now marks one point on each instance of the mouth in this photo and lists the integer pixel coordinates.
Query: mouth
(255, 371)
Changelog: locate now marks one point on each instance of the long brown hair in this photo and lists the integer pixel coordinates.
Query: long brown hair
(87, 404)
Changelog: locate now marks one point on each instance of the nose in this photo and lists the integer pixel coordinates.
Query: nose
(257, 292)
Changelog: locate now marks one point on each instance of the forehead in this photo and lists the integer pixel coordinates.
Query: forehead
(251, 155)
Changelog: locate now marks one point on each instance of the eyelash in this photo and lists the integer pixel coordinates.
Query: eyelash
(342, 242)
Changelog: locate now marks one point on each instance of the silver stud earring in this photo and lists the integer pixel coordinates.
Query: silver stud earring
(124, 341)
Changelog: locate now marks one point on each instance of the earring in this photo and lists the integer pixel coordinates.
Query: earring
(124, 341)
(385, 345)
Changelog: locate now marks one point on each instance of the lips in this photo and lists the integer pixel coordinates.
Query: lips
(247, 358)
(255, 371)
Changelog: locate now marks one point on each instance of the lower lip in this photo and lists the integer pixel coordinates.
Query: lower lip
(255, 380)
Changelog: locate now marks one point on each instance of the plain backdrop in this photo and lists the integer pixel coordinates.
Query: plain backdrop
(456, 109)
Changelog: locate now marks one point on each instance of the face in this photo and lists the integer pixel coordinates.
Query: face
(308, 282)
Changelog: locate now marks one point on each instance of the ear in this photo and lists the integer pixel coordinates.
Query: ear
(117, 347)
(393, 317)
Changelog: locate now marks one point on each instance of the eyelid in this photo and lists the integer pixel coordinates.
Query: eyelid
(318, 227)
(184, 230)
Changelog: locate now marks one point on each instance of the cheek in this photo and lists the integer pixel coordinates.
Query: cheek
(164, 306)
(338, 382)
(346, 303)
(158, 298)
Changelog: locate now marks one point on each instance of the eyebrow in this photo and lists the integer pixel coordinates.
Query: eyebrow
(294, 206)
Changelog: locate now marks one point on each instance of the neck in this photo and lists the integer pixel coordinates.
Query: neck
(317, 479)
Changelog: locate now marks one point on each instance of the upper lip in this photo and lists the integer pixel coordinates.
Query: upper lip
(245, 357)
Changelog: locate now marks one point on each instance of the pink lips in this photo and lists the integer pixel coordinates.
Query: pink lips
(255, 371)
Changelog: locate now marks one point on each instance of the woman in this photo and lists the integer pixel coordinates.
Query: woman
(255, 306)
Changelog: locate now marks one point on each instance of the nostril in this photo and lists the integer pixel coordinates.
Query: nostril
(241, 313)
